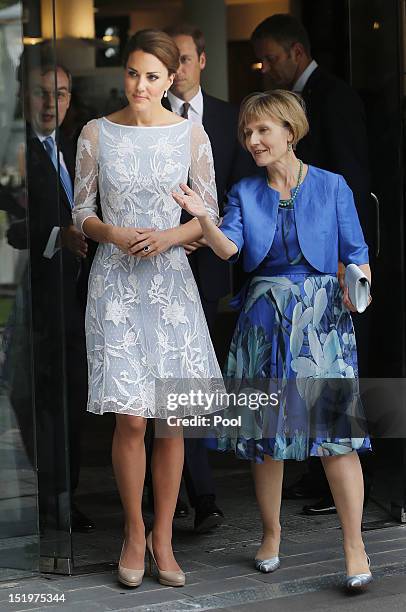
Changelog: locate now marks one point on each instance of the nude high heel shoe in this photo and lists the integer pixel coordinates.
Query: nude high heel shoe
(165, 577)
(359, 582)
(127, 576)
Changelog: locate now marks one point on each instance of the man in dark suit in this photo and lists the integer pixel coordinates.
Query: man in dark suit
(337, 141)
(231, 163)
(56, 249)
(213, 275)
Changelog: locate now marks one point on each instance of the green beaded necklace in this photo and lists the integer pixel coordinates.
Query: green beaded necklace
(289, 202)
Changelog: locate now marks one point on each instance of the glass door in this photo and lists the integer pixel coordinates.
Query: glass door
(19, 528)
(38, 278)
(46, 96)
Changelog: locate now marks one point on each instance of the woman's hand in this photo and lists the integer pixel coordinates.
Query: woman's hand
(347, 302)
(151, 243)
(126, 237)
(341, 278)
(190, 201)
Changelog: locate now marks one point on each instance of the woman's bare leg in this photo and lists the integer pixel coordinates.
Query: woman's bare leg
(268, 478)
(345, 478)
(167, 466)
(128, 454)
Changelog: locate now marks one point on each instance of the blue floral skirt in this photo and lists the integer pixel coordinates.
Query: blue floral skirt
(295, 341)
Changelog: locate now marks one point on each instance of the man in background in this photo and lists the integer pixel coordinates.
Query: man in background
(56, 251)
(231, 163)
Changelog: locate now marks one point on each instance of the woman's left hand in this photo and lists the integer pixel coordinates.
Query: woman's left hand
(152, 243)
(347, 302)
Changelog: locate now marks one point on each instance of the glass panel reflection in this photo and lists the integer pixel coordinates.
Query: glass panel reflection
(54, 270)
(19, 542)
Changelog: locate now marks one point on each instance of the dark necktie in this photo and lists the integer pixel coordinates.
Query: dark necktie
(50, 147)
(185, 109)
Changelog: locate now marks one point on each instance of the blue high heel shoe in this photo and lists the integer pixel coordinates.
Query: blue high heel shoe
(267, 565)
(359, 581)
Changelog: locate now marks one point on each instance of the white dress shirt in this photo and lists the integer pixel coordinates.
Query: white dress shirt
(299, 86)
(195, 112)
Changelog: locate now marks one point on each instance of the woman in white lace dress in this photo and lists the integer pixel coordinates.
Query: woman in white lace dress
(144, 320)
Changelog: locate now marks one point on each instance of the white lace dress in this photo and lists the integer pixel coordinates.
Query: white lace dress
(144, 319)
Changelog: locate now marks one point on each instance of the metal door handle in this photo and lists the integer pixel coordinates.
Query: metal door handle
(378, 228)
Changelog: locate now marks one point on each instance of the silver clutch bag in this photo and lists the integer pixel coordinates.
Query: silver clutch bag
(358, 287)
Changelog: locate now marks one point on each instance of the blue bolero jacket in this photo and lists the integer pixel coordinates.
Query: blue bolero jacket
(327, 222)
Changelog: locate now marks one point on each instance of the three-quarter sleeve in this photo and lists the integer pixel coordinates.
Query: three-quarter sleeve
(201, 176)
(351, 243)
(232, 225)
(86, 174)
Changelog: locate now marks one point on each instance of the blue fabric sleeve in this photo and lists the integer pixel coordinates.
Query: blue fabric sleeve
(352, 247)
(232, 225)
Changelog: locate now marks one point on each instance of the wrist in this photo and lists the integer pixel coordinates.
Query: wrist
(111, 234)
(61, 239)
(204, 220)
(171, 235)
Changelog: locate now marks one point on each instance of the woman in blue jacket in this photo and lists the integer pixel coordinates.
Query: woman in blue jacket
(292, 226)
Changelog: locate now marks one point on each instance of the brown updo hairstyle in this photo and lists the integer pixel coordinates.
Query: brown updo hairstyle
(156, 43)
(286, 107)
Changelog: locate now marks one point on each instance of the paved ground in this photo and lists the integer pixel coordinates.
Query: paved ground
(220, 575)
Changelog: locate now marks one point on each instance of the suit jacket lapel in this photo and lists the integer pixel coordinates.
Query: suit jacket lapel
(166, 104)
(209, 117)
(68, 157)
(307, 90)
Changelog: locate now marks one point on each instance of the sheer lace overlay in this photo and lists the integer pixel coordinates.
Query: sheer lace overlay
(144, 319)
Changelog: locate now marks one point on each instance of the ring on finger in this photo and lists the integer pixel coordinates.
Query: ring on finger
(146, 248)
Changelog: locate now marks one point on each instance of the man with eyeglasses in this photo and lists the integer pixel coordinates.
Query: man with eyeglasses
(46, 108)
(57, 253)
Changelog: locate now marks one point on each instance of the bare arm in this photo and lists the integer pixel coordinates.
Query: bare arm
(162, 240)
(97, 230)
(190, 201)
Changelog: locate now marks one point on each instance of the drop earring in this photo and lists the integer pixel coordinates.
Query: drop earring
(290, 147)
(165, 93)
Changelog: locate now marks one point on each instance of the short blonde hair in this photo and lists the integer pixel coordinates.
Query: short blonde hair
(284, 106)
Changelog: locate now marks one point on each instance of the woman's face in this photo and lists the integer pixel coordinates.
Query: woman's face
(146, 79)
(267, 141)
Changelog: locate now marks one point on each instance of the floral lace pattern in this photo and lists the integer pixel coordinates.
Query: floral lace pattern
(144, 319)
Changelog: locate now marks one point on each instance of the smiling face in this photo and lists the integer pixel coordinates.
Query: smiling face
(281, 65)
(187, 79)
(43, 100)
(267, 141)
(146, 79)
